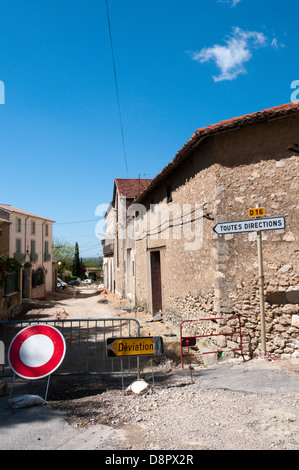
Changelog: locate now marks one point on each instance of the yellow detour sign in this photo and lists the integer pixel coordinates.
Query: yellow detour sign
(256, 212)
(148, 346)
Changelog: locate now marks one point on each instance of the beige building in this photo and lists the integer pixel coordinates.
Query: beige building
(108, 249)
(30, 240)
(186, 270)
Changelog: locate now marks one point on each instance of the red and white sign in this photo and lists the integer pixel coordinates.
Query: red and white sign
(36, 351)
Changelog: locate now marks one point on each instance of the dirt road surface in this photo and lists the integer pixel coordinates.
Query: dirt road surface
(252, 405)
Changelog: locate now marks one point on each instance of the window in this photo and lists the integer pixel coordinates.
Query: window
(33, 254)
(18, 245)
(46, 230)
(32, 228)
(169, 193)
(47, 255)
(19, 225)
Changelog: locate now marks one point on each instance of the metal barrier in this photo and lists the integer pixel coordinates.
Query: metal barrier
(85, 344)
(188, 341)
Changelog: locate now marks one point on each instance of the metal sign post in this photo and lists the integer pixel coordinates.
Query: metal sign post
(135, 346)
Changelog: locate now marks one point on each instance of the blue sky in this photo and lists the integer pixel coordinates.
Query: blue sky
(180, 65)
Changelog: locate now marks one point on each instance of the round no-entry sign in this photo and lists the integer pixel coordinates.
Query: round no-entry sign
(36, 351)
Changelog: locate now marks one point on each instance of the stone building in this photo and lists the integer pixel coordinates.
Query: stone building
(187, 271)
(118, 249)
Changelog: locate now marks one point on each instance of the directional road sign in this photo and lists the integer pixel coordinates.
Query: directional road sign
(148, 346)
(273, 223)
(36, 351)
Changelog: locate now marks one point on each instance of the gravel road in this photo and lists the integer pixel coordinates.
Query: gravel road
(252, 405)
(180, 414)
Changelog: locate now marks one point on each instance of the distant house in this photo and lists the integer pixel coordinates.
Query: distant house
(30, 242)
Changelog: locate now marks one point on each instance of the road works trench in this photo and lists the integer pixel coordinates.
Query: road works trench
(236, 405)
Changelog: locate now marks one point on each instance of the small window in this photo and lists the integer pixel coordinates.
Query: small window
(33, 246)
(32, 228)
(33, 254)
(18, 245)
(169, 193)
(47, 230)
(47, 255)
(19, 225)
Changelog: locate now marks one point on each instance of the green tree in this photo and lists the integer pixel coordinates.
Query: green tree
(64, 251)
(76, 262)
(82, 269)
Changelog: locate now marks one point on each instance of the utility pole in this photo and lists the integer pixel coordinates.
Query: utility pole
(261, 288)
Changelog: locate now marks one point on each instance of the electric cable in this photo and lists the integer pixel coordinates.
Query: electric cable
(116, 87)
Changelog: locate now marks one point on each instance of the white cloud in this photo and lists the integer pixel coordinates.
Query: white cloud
(231, 57)
(275, 43)
(233, 3)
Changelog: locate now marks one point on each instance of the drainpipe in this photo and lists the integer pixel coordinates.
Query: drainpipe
(26, 250)
(43, 243)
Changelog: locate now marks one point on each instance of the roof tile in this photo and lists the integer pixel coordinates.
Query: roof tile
(131, 188)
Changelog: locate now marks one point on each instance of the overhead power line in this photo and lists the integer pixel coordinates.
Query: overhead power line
(23, 222)
(79, 221)
(116, 87)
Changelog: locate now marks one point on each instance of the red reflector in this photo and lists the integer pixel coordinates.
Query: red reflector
(188, 341)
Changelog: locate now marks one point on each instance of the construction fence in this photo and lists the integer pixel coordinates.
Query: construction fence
(85, 345)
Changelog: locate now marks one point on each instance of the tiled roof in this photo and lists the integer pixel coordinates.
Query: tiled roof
(131, 188)
(245, 120)
(229, 124)
(10, 208)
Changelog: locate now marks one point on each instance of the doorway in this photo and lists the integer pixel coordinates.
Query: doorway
(156, 281)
